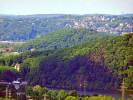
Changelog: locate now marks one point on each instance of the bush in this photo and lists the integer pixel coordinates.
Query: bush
(70, 98)
(29, 91)
(52, 95)
(61, 95)
(99, 98)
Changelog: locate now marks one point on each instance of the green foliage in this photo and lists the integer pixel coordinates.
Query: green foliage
(37, 92)
(70, 98)
(6, 68)
(61, 95)
(8, 59)
(21, 28)
(112, 53)
(6, 99)
(52, 94)
(99, 98)
(37, 89)
(29, 91)
(5, 46)
(32, 62)
(45, 90)
(60, 39)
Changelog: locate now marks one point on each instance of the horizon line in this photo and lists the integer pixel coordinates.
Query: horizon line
(65, 14)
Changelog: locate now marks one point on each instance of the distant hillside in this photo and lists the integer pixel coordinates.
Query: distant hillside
(22, 28)
(64, 38)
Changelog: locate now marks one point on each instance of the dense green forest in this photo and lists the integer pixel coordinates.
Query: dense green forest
(100, 63)
(64, 38)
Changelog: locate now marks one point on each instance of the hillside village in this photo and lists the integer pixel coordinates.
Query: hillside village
(30, 27)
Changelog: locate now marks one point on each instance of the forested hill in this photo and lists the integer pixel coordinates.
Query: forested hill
(23, 28)
(100, 63)
(64, 38)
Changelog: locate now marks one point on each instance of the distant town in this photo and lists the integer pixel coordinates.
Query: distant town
(110, 24)
(23, 28)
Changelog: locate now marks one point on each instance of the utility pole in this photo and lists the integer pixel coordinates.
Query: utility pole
(123, 90)
(7, 92)
(84, 87)
(44, 97)
(80, 90)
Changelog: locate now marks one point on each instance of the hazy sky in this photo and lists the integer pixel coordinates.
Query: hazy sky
(23, 7)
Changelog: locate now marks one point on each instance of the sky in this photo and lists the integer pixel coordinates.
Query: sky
(28, 7)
